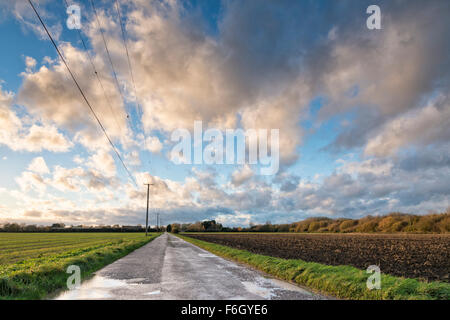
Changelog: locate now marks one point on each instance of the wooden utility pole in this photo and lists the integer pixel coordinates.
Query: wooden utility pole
(146, 216)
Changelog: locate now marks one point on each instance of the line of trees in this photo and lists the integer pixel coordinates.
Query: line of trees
(395, 222)
(199, 226)
(392, 223)
(61, 227)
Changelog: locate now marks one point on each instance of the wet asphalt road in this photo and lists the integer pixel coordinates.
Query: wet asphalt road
(171, 268)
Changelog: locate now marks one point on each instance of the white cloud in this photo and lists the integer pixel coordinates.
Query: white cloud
(241, 176)
(153, 144)
(103, 162)
(78, 160)
(20, 9)
(30, 63)
(419, 127)
(43, 137)
(67, 179)
(133, 158)
(31, 181)
(15, 135)
(52, 95)
(38, 165)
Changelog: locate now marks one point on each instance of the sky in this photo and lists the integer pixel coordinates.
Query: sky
(363, 114)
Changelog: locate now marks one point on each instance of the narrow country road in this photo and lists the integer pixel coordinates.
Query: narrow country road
(171, 268)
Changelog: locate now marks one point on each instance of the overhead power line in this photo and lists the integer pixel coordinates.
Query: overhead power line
(124, 39)
(81, 92)
(128, 55)
(110, 61)
(108, 101)
(107, 52)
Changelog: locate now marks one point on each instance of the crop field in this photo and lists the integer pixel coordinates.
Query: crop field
(33, 265)
(426, 257)
(17, 247)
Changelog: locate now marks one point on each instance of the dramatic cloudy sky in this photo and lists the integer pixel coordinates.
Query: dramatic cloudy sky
(364, 115)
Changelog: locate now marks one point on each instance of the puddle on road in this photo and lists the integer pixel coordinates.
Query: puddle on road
(206, 255)
(289, 287)
(254, 288)
(136, 281)
(154, 292)
(269, 288)
(96, 288)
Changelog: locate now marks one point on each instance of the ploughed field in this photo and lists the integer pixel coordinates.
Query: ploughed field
(424, 256)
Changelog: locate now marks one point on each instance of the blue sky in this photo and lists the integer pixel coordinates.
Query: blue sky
(363, 114)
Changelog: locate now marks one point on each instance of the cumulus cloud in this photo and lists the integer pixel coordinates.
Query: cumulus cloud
(76, 179)
(428, 125)
(50, 93)
(18, 136)
(184, 74)
(153, 144)
(20, 9)
(241, 176)
(381, 76)
(103, 162)
(38, 165)
(33, 213)
(31, 181)
(40, 138)
(30, 63)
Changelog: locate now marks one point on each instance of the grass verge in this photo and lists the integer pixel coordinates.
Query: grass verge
(37, 278)
(343, 282)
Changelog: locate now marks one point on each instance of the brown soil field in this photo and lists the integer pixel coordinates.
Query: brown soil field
(423, 256)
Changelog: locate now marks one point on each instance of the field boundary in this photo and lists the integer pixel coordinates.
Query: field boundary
(344, 282)
(46, 279)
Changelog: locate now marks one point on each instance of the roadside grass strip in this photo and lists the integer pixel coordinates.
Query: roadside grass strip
(344, 282)
(37, 278)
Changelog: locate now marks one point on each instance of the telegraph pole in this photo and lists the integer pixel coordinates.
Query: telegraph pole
(146, 216)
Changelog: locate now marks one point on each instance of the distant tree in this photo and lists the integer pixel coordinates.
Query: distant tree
(348, 224)
(175, 228)
(12, 227)
(211, 225)
(195, 227)
(30, 228)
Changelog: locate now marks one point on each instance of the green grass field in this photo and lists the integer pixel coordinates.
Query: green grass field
(33, 265)
(344, 282)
